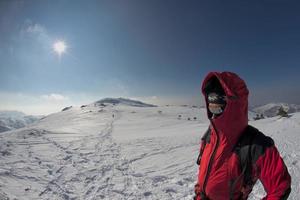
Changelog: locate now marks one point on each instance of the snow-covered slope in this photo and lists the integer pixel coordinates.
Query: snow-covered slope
(120, 152)
(10, 120)
(271, 109)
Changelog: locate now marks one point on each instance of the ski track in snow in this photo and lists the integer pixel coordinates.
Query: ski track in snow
(92, 167)
(89, 168)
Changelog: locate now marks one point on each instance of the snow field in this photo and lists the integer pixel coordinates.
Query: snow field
(121, 152)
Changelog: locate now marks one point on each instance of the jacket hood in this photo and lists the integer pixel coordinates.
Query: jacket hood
(234, 118)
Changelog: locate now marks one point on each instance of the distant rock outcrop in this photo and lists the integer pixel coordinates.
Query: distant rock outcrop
(66, 108)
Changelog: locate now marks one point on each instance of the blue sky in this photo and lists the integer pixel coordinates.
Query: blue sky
(156, 51)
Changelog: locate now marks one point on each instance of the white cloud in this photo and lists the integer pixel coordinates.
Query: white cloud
(34, 104)
(35, 31)
(54, 97)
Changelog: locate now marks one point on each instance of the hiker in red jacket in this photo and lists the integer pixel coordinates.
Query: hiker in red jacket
(234, 155)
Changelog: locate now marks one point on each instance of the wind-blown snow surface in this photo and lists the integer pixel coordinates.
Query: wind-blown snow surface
(121, 152)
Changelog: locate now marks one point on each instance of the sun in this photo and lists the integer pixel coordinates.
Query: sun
(59, 47)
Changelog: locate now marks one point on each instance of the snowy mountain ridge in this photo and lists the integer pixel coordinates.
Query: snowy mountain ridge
(271, 109)
(123, 101)
(10, 120)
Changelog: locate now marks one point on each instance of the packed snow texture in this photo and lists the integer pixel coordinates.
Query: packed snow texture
(121, 152)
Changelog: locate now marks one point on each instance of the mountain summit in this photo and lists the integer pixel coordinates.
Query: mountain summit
(123, 101)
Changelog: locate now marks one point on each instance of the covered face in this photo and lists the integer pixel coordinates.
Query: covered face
(216, 97)
(216, 103)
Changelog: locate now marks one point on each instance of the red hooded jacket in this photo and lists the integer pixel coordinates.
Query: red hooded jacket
(220, 165)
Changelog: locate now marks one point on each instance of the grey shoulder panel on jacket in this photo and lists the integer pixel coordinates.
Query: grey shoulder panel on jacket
(255, 140)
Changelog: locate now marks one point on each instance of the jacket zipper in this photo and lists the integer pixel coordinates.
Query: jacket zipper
(210, 160)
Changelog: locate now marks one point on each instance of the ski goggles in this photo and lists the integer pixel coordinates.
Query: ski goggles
(216, 98)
